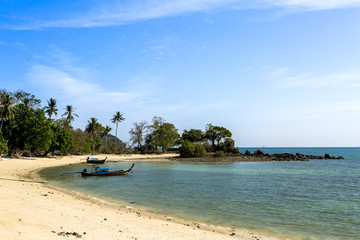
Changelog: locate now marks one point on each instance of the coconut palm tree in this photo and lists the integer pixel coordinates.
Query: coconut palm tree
(137, 133)
(106, 132)
(94, 129)
(51, 108)
(7, 108)
(118, 117)
(69, 113)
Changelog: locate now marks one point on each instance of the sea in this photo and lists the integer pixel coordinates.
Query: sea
(316, 199)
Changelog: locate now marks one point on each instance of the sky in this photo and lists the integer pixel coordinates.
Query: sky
(276, 73)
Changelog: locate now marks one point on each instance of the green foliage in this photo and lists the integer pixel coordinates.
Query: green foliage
(194, 135)
(219, 154)
(105, 133)
(189, 149)
(137, 134)
(95, 130)
(29, 130)
(26, 99)
(118, 117)
(7, 107)
(163, 134)
(62, 140)
(51, 108)
(69, 113)
(3, 146)
(216, 134)
(200, 150)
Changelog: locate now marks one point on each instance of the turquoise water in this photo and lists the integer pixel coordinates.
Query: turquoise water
(319, 199)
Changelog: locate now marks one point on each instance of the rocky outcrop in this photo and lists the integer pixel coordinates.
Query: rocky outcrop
(257, 156)
(290, 156)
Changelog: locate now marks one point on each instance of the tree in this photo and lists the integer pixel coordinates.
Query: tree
(82, 144)
(137, 133)
(106, 132)
(51, 108)
(163, 134)
(29, 130)
(7, 108)
(229, 146)
(69, 113)
(27, 99)
(118, 117)
(62, 140)
(94, 129)
(194, 135)
(216, 134)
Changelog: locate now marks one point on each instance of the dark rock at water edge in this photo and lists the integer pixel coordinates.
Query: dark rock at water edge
(257, 156)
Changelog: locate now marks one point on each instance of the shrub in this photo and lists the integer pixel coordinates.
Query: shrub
(219, 154)
(187, 149)
(200, 150)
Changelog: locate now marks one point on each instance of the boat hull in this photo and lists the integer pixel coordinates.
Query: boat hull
(95, 161)
(110, 173)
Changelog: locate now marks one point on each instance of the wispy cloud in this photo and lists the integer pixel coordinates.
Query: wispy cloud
(112, 13)
(61, 76)
(64, 85)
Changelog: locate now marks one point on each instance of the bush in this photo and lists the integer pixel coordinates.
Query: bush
(200, 150)
(219, 154)
(189, 149)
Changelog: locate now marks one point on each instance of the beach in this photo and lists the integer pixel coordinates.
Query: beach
(33, 209)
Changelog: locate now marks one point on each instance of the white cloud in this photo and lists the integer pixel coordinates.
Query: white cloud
(113, 13)
(63, 84)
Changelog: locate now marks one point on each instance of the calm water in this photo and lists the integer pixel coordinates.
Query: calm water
(319, 199)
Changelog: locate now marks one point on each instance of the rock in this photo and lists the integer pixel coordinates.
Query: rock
(247, 152)
(259, 152)
(327, 156)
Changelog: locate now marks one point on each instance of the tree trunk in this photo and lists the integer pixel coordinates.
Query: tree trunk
(116, 132)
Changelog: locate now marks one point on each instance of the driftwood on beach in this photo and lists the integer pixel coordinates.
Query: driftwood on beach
(257, 156)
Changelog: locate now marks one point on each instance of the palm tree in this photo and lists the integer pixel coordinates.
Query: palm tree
(69, 113)
(93, 128)
(7, 106)
(137, 133)
(106, 132)
(51, 108)
(118, 117)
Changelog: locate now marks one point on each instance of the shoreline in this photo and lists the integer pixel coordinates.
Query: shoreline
(33, 208)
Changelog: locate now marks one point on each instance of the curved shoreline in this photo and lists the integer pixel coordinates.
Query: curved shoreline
(32, 209)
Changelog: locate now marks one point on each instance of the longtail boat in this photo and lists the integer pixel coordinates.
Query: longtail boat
(95, 160)
(105, 172)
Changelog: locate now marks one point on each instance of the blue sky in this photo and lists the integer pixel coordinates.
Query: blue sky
(274, 72)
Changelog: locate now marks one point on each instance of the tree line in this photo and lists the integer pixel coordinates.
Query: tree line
(27, 129)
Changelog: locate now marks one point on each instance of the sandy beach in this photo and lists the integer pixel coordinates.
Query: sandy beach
(33, 209)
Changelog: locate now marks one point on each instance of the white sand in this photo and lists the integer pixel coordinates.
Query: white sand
(32, 210)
